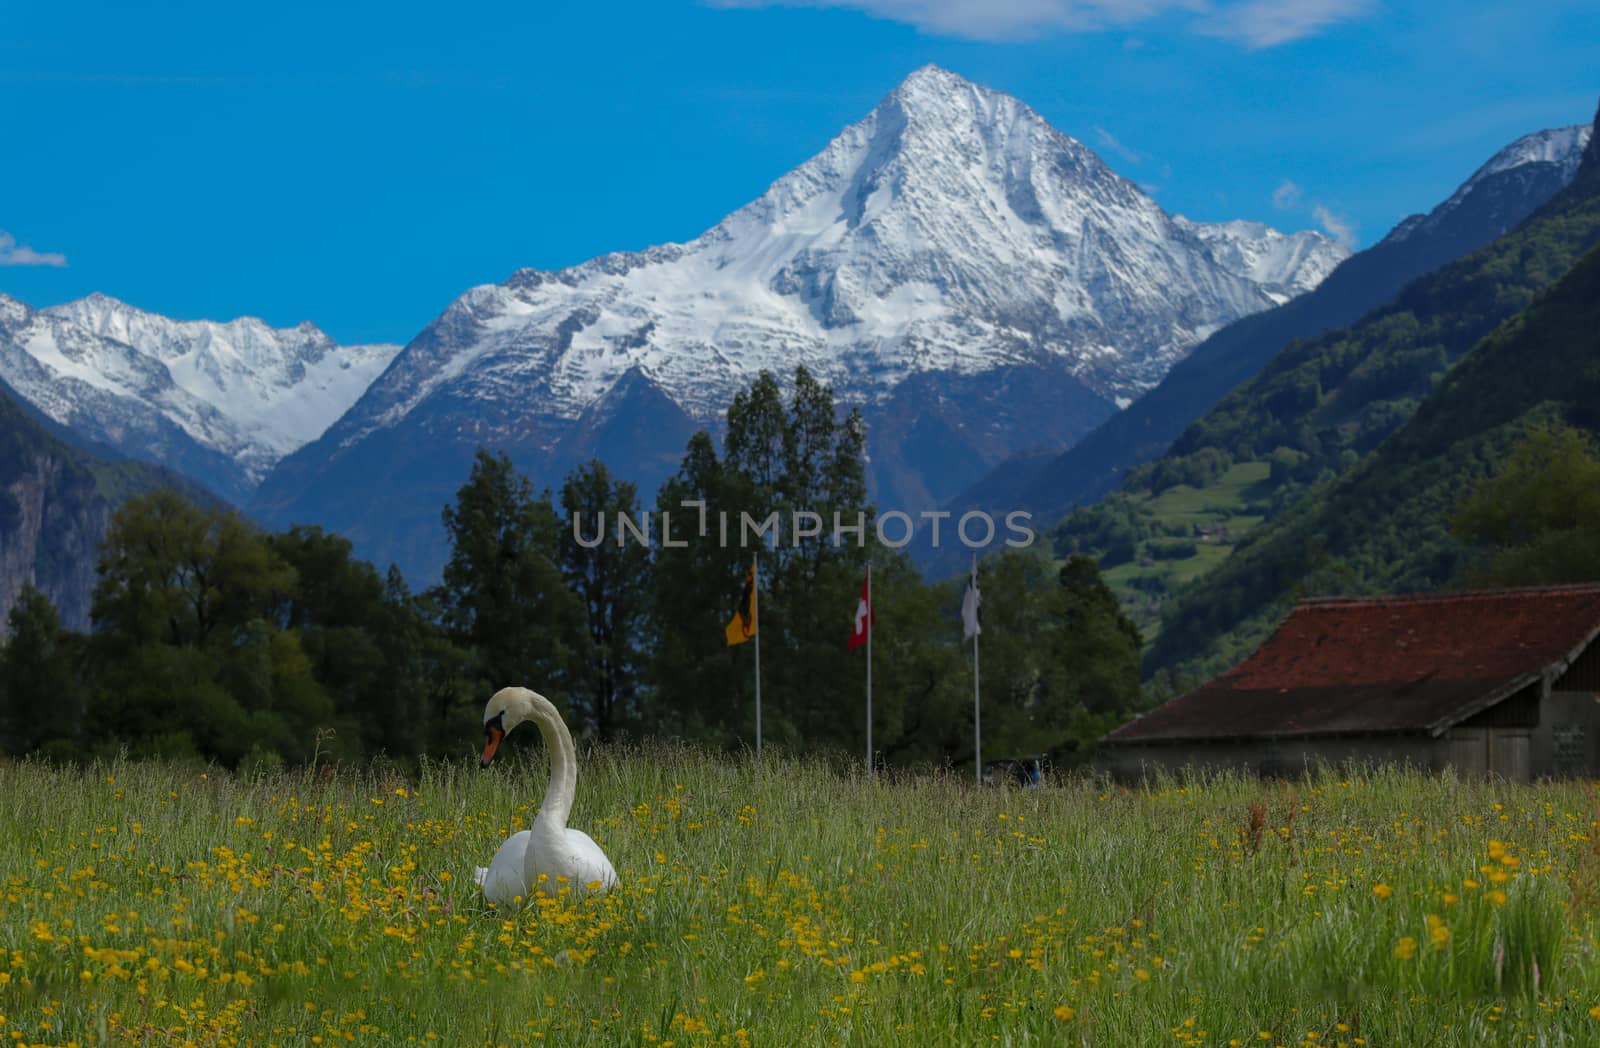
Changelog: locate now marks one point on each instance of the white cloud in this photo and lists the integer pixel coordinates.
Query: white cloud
(1109, 141)
(1267, 23)
(1286, 196)
(1256, 23)
(994, 19)
(1341, 229)
(15, 254)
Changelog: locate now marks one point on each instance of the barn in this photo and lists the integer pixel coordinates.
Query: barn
(1488, 682)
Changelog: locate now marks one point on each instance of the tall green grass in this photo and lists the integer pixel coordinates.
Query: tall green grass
(788, 903)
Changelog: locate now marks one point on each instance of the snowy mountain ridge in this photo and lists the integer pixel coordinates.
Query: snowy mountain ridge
(950, 230)
(1556, 150)
(1562, 146)
(238, 395)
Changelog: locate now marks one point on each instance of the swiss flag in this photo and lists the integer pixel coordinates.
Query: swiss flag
(864, 617)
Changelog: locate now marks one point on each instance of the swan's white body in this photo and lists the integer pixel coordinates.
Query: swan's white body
(561, 856)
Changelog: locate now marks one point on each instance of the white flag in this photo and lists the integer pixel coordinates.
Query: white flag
(969, 607)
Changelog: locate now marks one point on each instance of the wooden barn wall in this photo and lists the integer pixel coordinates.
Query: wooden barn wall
(1130, 763)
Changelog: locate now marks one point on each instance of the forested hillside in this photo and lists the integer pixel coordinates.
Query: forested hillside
(1386, 524)
(1311, 414)
(1050, 484)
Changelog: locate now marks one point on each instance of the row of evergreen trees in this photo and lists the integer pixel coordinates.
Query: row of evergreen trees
(214, 639)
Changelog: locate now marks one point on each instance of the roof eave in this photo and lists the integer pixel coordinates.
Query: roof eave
(1556, 669)
(1301, 736)
(1490, 698)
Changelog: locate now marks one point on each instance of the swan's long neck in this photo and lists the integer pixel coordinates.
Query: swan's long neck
(563, 771)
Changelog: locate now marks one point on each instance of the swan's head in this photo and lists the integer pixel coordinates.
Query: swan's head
(508, 708)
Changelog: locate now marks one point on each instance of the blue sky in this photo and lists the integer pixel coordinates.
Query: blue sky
(360, 165)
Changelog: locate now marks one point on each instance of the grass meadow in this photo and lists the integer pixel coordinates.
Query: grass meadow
(790, 904)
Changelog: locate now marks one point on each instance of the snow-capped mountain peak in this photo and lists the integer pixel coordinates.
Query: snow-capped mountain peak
(950, 238)
(1285, 265)
(1551, 155)
(236, 396)
(1562, 146)
(951, 229)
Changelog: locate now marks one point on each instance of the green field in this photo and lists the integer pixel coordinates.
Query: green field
(1144, 583)
(1214, 504)
(790, 905)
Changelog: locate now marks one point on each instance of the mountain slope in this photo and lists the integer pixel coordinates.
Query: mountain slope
(1384, 526)
(934, 260)
(56, 501)
(1337, 396)
(218, 402)
(1500, 194)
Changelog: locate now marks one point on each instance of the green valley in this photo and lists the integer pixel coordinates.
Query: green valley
(1150, 543)
(1275, 492)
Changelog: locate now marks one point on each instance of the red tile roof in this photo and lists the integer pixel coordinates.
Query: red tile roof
(1380, 665)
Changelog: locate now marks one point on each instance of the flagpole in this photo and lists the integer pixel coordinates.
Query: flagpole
(755, 603)
(977, 715)
(869, 669)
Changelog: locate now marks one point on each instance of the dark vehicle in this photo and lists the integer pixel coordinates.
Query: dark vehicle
(1026, 772)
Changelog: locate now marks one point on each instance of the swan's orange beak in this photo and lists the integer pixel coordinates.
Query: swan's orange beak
(491, 742)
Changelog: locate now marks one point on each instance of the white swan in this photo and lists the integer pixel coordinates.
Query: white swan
(549, 848)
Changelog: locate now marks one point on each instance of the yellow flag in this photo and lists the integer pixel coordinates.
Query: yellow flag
(743, 624)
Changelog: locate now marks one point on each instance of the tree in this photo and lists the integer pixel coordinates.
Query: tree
(1015, 652)
(703, 688)
(921, 677)
(338, 609)
(759, 441)
(173, 573)
(430, 706)
(503, 595)
(1097, 643)
(779, 462)
(1060, 658)
(188, 655)
(611, 578)
(40, 689)
(1539, 517)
